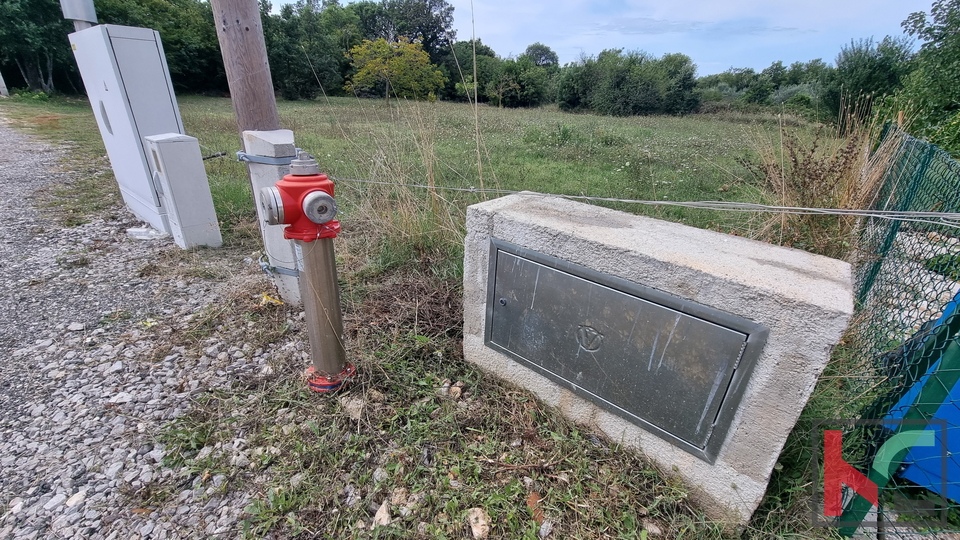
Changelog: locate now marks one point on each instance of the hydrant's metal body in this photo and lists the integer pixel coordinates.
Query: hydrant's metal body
(303, 200)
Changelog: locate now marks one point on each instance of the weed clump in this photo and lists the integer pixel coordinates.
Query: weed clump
(820, 169)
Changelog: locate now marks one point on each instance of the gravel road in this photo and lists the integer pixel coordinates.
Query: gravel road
(87, 378)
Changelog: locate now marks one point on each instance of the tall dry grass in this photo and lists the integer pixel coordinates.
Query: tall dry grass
(839, 167)
(394, 223)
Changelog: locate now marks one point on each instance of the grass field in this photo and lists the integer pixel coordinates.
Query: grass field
(485, 445)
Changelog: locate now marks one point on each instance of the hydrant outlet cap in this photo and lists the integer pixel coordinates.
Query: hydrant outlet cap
(304, 165)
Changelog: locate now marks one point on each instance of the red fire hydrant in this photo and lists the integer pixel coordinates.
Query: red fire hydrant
(303, 201)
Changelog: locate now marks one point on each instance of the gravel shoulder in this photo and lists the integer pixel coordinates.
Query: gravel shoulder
(90, 372)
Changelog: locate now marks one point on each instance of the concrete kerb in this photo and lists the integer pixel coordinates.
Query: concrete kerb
(805, 300)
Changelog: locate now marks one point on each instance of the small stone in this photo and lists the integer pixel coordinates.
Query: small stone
(353, 406)
(545, 529)
(113, 469)
(157, 454)
(122, 397)
(652, 528)
(56, 501)
(479, 522)
(352, 496)
(296, 480)
(76, 499)
(399, 496)
(382, 517)
(380, 474)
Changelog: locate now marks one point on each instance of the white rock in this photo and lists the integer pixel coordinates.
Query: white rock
(16, 505)
(382, 516)
(353, 406)
(479, 522)
(75, 327)
(113, 469)
(122, 397)
(296, 480)
(157, 454)
(76, 499)
(56, 501)
(652, 528)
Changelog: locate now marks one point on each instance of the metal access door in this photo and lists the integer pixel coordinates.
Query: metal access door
(670, 365)
(128, 83)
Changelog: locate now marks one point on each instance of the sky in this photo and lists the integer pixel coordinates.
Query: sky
(716, 34)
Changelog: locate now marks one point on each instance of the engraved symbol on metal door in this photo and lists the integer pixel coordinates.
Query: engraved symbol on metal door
(589, 338)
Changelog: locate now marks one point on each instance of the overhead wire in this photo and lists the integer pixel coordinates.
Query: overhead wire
(949, 219)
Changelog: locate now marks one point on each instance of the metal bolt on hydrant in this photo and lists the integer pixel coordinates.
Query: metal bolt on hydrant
(303, 201)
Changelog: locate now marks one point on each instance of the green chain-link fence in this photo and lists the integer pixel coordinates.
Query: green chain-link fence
(906, 281)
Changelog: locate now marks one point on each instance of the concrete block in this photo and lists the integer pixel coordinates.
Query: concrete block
(804, 300)
(280, 251)
(277, 143)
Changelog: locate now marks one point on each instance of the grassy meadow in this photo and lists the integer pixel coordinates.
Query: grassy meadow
(646, 158)
(436, 438)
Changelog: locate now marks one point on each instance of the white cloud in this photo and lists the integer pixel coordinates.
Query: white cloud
(717, 34)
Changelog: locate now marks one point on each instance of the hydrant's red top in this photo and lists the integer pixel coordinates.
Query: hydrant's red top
(304, 180)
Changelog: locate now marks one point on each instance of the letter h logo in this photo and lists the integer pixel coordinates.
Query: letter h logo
(836, 471)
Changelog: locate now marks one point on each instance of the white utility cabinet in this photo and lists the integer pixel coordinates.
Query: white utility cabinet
(181, 183)
(128, 83)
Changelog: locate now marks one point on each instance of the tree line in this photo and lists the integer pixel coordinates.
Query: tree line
(408, 48)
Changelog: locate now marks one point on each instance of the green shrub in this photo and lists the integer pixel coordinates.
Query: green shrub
(24, 94)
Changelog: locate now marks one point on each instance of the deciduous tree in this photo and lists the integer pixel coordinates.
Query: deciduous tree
(541, 55)
(933, 87)
(429, 22)
(306, 43)
(632, 83)
(401, 68)
(33, 36)
(868, 68)
(458, 65)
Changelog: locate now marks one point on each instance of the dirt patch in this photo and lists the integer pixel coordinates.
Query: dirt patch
(47, 121)
(411, 301)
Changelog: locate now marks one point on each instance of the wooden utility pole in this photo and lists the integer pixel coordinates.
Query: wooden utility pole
(255, 107)
(245, 59)
(248, 73)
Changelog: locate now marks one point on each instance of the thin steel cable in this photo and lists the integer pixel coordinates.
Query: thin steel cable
(949, 219)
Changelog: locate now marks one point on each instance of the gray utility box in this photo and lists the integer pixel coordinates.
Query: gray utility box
(127, 80)
(671, 366)
(181, 184)
(697, 348)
